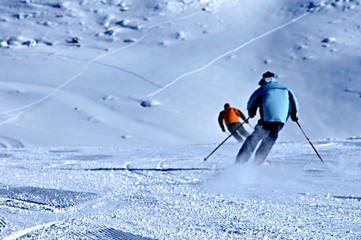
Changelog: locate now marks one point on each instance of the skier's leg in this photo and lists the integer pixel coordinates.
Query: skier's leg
(264, 149)
(242, 131)
(250, 144)
(238, 137)
(233, 128)
(268, 142)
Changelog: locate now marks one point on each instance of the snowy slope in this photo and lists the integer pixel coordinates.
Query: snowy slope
(74, 73)
(171, 193)
(108, 108)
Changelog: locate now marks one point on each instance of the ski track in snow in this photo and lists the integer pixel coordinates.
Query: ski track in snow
(21, 233)
(43, 98)
(210, 63)
(120, 69)
(10, 119)
(94, 60)
(167, 193)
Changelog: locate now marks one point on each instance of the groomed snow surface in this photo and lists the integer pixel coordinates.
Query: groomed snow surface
(108, 108)
(171, 193)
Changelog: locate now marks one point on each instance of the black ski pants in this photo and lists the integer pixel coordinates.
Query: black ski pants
(267, 132)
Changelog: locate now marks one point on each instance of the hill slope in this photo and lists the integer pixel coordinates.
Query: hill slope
(75, 73)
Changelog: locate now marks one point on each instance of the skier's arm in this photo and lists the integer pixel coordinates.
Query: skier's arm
(239, 113)
(294, 106)
(220, 121)
(252, 107)
(253, 102)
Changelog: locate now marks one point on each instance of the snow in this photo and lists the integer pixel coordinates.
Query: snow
(171, 193)
(109, 107)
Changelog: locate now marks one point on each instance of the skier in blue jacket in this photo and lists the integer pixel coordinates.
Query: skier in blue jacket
(276, 103)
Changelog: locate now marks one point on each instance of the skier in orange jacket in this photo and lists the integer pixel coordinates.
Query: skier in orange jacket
(230, 116)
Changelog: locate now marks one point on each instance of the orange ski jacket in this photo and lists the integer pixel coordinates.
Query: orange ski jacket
(230, 115)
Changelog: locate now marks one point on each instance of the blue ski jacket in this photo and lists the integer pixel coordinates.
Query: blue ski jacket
(275, 101)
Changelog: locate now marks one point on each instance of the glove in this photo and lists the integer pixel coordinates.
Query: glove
(294, 118)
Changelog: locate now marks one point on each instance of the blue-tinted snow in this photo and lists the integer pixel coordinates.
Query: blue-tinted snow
(109, 107)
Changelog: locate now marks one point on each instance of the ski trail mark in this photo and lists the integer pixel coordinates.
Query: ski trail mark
(118, 68)
(160, 164)
(10, 119)
(23, 232)
(226, 53)
(43, 98)
(128, 168)
(93, 61)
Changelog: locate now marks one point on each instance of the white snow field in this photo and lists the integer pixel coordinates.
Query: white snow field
(171, 193)
(108, 108)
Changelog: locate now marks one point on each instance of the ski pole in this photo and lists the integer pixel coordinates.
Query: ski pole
(205, 159)
(310, 142)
